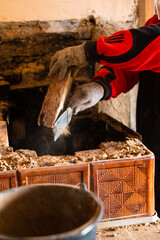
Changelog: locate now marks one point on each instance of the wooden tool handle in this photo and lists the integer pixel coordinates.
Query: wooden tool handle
(54, 100)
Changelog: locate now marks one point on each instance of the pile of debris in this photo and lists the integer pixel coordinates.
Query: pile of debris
(24, 158)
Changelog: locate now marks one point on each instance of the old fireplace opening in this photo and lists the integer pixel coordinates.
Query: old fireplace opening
(87, 132)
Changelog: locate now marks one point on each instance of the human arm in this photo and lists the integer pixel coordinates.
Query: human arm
(115, 81)
(126, 53)
(106, 83)
(133, 50)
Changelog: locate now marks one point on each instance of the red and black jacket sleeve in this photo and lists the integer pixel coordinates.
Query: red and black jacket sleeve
(115, 81)
(126, 52)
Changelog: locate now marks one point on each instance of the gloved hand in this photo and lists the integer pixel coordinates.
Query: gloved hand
(70, 56)
(86, 96)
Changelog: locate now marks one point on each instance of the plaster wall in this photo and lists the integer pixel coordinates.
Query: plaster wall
(27, 10)
(157, 7)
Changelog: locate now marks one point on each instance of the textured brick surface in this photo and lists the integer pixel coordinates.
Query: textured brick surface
(125, 187)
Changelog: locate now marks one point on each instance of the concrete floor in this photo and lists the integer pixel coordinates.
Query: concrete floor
(147, 231)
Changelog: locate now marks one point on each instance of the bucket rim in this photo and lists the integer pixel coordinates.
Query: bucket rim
(77, 232)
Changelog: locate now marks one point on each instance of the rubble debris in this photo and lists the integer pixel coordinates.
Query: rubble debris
(25, 158)
(132, 147)
(140, 231)
(92, 155)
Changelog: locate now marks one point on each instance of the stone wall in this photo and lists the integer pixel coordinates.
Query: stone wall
(26, 48)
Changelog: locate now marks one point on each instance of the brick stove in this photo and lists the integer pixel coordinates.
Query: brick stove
(105, 155)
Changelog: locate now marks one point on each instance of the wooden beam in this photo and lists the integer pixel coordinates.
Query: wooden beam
(146, 9)
(149, 9)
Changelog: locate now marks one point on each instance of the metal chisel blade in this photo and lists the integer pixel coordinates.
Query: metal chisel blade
(62, 122)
